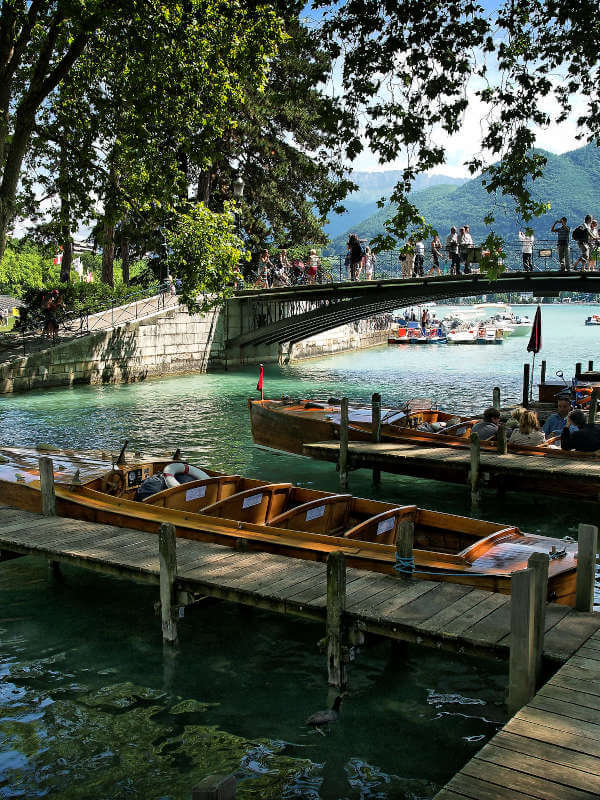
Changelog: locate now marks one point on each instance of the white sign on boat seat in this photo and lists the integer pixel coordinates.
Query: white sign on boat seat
(195, 494)
(253, 500)
(315, 513)
(386, 525)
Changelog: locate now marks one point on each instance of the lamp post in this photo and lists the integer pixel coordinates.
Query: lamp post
(238, 193)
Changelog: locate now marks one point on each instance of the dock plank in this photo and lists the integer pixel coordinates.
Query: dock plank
(526, 782)
(547, 753)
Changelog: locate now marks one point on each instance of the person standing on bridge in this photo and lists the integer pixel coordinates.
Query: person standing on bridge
(356, 256)
(465, 242)
(419, 258)
(452, 250)
(527, 240)
(562, 243)
(436, 254)
(583, 235)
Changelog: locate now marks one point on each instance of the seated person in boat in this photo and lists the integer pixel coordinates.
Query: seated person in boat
(557, 421)
(579, 434)
(487, 428)
(512, 423)
(529, 432)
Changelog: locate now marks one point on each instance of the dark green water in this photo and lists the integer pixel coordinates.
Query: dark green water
(91, 706)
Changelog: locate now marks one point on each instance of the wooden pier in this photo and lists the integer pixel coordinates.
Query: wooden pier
(445, 615)
(550, 749)
(551, 475)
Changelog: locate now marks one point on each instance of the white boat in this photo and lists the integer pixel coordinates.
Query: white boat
(593, 320)
(489, 335)
(467, 335)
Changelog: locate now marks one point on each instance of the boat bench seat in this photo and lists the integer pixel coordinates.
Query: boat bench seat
(196, 495)
(382, 528)
(326, 515)
(257, 505)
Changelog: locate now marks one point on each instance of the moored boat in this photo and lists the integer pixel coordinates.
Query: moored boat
(290, 520)
(594, 319)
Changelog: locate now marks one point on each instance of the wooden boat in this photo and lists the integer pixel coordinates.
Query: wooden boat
(287, 425)
(282, 518)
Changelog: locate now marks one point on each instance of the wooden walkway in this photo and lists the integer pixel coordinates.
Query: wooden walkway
(550, 474)
(444, 614)
(550, 749)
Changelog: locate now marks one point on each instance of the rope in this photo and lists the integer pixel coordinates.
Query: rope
(405, 566)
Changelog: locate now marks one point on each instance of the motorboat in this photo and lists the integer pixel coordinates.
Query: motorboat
(594, 319)
(205, 505)
(463, 335)
(489, 335)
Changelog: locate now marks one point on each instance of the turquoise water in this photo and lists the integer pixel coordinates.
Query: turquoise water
(91, 706)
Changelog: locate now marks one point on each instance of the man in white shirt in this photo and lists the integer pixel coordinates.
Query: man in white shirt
(527, 240)
(466, 244)
(452, 250)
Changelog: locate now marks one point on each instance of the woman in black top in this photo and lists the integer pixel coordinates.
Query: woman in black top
(355, 256)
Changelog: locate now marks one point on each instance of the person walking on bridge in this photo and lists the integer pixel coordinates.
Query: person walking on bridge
(452, 250)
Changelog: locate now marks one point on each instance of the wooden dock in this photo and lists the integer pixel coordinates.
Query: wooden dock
(441, 614)
(551, 475)
(550, 749)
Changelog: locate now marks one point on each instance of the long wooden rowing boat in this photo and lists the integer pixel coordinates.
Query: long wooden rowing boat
(290, 520)
(288, 426)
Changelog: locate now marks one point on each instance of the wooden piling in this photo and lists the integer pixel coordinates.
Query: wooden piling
(501, 441)
(343, 458)
(587, 548)
(167, 550)
(521, 681)
(47, 486)
(525, 397)
(336, 606)
(376, 428)
(578, 369)
(404, 548)
(539, 563)
(543, 372)
(590, 366)
(496, 397)
(475, 464)
(593, 406)
(215, 787)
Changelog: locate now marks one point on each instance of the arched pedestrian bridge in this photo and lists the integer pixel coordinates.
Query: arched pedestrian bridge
(293, 313)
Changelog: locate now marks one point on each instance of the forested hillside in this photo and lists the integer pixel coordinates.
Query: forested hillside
(571, 184)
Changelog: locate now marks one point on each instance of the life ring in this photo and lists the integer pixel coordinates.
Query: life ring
(181, 468)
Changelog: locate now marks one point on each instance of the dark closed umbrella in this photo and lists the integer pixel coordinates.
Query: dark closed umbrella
(535, 340)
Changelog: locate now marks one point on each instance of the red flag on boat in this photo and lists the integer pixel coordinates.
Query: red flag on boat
(535, 340)
(259, 385)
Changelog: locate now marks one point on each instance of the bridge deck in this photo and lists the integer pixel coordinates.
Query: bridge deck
(445, 614)
(544, 474)
(550, 749)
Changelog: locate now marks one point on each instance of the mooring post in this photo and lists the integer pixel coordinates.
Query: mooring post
(521, 679)
(525, 397)
(405, 563)
(578, 369)
(343, 458)
(501, 442)
(167, 551)
(336, 606)
(587, 547)
(376, 428)
(496, 397)
(475, 464)
(593, 406)
(47, 486)
(215, 787)
(590, 366)
(538, 563)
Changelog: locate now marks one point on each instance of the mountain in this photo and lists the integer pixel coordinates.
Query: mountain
(570, 183)
(373, 186)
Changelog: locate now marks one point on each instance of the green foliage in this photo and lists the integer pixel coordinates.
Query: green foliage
(22, 267)
(205, 255)
(493, 258)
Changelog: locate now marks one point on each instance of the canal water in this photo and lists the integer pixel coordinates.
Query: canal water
(91, 705)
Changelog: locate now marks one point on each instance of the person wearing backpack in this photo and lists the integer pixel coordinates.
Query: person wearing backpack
(562, 243)
(583, 235)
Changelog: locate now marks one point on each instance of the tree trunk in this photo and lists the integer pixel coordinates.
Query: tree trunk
(204, 181)
(67, 259)
(108, 253)
(125, 259)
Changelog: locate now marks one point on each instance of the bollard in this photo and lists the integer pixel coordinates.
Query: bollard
(336, 606)
(501, 442)
(587, 547)
(525, 398)
(405, 564)
(475, 464)
(543, 373)
(496, 397)
(376, 428)
(590, 366)
(578, 369)
(593, 406)
(167, 551)
(47, 486)
(521, 680)
(215, 787)
(538, 563)
(343, 458)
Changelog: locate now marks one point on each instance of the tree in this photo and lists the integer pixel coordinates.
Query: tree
(407, 67)
(205, 255)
